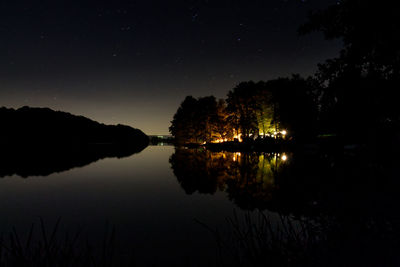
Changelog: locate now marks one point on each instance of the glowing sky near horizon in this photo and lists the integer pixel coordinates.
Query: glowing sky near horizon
(133, 62)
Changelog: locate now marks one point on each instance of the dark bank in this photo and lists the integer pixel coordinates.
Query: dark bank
(40, 141)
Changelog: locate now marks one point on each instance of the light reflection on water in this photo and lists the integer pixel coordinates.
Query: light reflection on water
(248, 179)
(139, 195)
(156, 198)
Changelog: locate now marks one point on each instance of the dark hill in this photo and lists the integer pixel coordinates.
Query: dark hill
(40, 141)
(43, 126)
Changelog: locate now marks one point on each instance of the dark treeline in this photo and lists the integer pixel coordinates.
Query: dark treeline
(40, 141)
(352, 96)
(251, 110)
(42, 126)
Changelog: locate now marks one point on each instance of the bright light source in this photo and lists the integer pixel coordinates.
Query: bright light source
(283, 132)
(284, 157)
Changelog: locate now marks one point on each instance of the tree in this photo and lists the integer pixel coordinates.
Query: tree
(297, 109)
(360, 84)
(183, 126)
(200, 120)
(294, 105)
(242, 106)
(223, 129)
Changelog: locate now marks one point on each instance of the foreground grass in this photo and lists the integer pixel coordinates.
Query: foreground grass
(263, 239)
(250, 239)
(51, 250)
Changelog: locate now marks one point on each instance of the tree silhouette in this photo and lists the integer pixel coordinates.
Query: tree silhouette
(250, 109)
(43, 127)
(360, 85)
(294, 105)
(183, 126)
(40, 141)
(200, 120)
(242, 105)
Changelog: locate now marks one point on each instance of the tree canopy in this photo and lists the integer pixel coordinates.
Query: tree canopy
(353, 95)
(200, 120)
(359, 87)
(251, 110)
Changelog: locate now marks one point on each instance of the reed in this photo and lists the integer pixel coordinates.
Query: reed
(261, 240)
(51, 249)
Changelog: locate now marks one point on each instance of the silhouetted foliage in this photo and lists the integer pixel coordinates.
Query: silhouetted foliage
(361, 84)
(199, 120)
(42, 126)
(251, 110)
(243, 106)
(348, 195)
(294, 105)
(51, 247)
(280, 104)
(40, 141)
(352, 96)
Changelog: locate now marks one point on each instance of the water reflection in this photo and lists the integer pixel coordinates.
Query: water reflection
(296, 183)
(48, 160)
(345, 204)
(248, 178)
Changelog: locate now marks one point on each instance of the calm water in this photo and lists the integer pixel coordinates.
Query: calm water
(155, 199)
(139, 194)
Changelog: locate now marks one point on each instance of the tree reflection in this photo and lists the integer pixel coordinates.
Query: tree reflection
(253, 183)
(248, 178)
(200, 170)
(298, 183)
(26, 162)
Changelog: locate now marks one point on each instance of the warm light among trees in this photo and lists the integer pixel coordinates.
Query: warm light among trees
(252, 110)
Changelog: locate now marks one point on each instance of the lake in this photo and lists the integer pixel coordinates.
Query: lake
(162, 200)
(139, 195)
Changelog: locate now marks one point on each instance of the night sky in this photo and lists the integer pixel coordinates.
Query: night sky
(133, 62)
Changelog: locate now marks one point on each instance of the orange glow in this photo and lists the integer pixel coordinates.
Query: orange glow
(238, 137)
(236, 156)
(220, 140)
